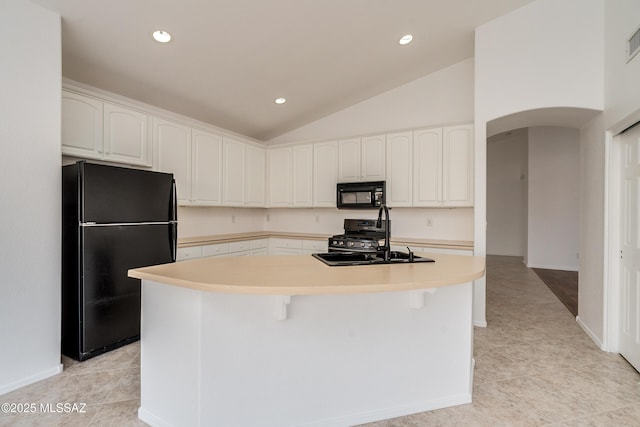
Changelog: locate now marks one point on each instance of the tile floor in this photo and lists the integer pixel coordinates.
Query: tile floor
(534, 367)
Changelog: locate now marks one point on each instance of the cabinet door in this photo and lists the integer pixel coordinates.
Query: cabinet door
(82, 126)
(373, 158)
(233, 171)
(206, 164)
(126, 136)
(427, 167)
(349, 160)
(325, 173)
(172, 144)
(399, 169)
(302, 173)
(280, 177)
(458, 165)
(255, 176)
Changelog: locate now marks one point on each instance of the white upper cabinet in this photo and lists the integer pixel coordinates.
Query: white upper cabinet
(94, 129)
(280, 177)
(399, 169)
(82, 126)
(126, 136)
(361, 159)
(206, 165)
(325, 173)
(458, 165)
(290, 176)
(255, 161)
(373, 158)
(302, 174)
(172, 142)
(233, 152)
(427, 167)
(349, 160)
(443, 167)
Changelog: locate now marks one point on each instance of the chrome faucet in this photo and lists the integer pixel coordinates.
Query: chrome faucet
(387, 231)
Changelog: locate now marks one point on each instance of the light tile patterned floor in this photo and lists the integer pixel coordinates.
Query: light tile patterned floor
(534, 367)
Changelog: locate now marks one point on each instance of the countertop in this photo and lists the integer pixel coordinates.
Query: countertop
(305, 275)
(400, 241)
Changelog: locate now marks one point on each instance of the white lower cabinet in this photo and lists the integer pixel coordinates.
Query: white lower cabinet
(218, 249)
(259, 247)
(283, 246)
(189, 252)
(279, 246)
(314, 246)
(418, 250)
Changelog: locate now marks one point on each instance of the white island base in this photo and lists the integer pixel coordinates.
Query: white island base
(224, 359)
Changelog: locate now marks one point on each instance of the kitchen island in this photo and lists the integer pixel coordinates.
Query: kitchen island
(288, 340)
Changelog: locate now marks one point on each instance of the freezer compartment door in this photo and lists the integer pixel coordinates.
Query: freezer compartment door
(112, 194)
(110, 299)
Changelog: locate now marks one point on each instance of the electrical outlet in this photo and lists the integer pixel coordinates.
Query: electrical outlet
(429, 222)
(233, 219)
(317, 218)
(268, 218)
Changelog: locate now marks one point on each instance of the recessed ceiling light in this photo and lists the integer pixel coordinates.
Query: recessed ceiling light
(406, 39)
(280, 100)
(161, 36)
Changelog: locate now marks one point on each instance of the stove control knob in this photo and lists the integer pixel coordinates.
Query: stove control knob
(350, 243)
(362, 244)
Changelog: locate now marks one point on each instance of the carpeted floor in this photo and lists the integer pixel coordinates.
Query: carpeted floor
(564, 284)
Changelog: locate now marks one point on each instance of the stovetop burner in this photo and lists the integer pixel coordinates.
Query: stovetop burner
(361, 235)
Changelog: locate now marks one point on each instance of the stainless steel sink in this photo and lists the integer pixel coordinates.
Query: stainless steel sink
(337, 259)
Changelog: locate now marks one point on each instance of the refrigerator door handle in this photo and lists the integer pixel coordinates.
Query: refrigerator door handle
(174, 241)
(174, 200)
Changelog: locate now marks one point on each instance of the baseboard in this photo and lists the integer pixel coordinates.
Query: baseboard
(388, 413)
(151, 419)
(353, 419)
(480, 324)
(552, 267)
(6, 388)
(590, 333)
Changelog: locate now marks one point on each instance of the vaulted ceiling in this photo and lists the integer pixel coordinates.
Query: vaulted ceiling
(229, 59)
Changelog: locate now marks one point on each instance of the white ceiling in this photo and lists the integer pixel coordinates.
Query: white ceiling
(229, 59)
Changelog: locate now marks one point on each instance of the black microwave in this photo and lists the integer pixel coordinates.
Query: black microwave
(361, 195)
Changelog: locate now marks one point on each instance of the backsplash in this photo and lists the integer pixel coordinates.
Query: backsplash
(424, 223)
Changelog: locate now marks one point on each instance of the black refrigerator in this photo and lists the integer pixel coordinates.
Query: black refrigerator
(113, 219)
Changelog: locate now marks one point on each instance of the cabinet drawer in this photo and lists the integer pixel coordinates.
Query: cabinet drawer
(315, 245)
(243, 245)
(286, 243)
(189, 253)
(259, 243)
(217, 249)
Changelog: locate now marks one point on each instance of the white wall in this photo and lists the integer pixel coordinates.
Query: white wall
(547, 54)
(443, 97)
(447, 224)
(554, 180)
(592, 244)
(507, 181)
(622, 88)
(30, 77)
(208, 221)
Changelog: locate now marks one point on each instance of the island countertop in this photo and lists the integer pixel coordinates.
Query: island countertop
(305, 275)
